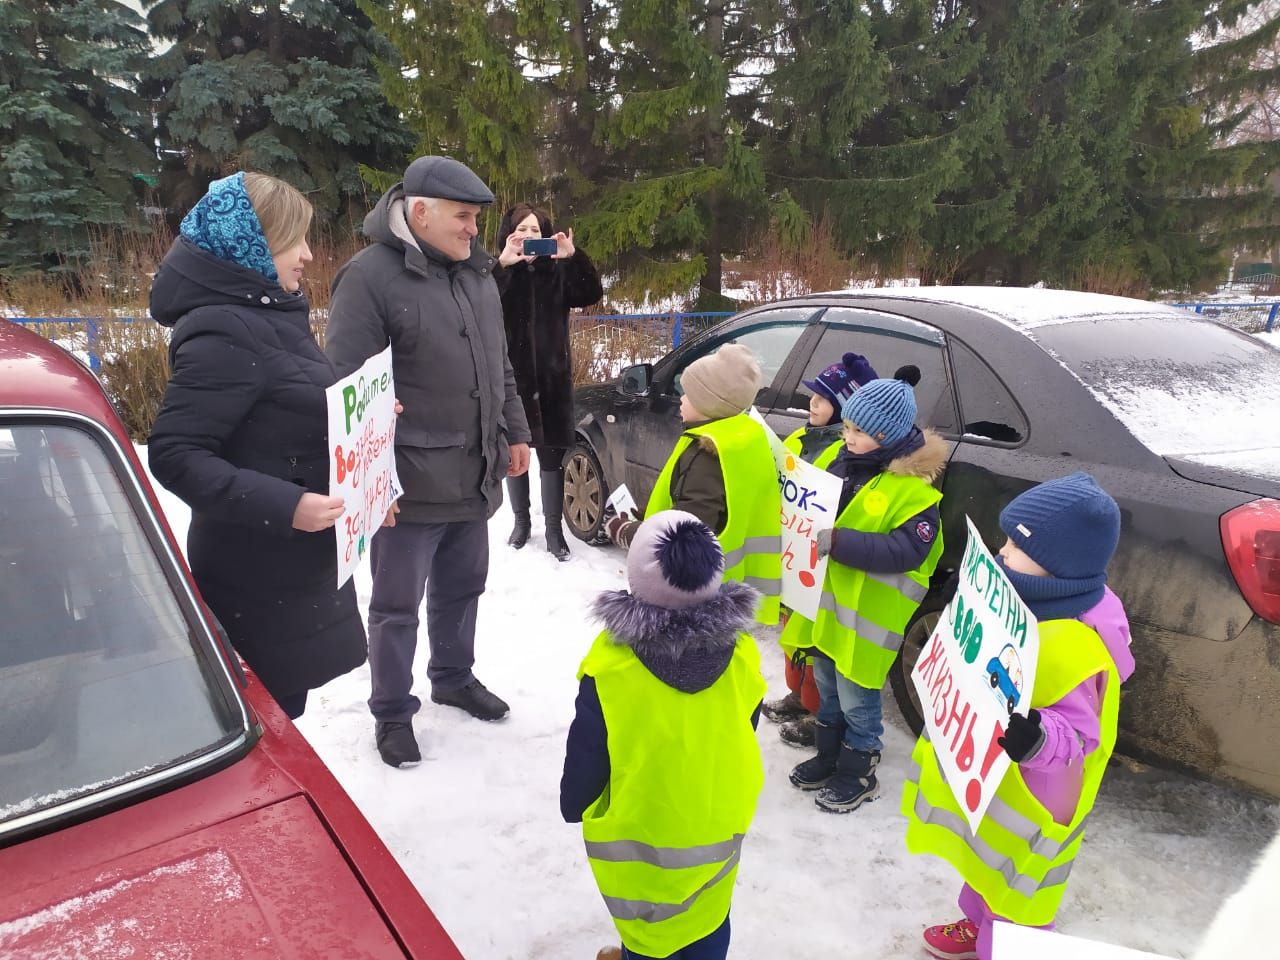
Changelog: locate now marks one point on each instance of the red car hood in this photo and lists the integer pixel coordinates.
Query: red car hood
(267, 884)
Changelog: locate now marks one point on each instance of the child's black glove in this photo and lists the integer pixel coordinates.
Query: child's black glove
(1024, 736)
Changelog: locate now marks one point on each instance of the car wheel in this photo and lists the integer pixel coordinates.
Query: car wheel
(919, 630)
(995, 680)
(584, 493)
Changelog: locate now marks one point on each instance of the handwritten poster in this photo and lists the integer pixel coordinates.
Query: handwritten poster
(810, 501)
(977, 669)
(362, 462)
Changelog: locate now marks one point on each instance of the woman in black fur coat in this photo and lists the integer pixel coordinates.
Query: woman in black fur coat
(537, 295)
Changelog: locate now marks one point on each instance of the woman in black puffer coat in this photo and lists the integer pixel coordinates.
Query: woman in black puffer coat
(241, 435)
(537, 295)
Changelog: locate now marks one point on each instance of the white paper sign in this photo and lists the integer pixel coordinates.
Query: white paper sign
(362, 462)
(977, 668)
(619, 502)
(1012, 942)
(810, 501)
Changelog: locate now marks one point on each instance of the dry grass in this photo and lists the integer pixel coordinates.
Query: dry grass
(776, 270)
(135, 370)
(1118, 279)
(603, 348)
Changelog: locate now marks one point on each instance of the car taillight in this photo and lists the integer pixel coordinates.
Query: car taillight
(1251, 540)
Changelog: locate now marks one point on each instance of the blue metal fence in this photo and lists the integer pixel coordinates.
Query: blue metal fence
(1230, 310)
(683, 325)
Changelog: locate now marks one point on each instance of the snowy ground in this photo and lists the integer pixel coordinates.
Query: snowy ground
(477, 826)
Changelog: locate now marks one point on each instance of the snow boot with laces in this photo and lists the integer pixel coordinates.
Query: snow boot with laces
(854, 782)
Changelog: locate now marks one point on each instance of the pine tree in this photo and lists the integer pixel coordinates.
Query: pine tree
(461, 89)
(679, 183)
(866, 122)
(286, 87)
(72, 149)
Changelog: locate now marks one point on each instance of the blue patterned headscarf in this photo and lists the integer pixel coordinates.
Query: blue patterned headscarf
(225, 224)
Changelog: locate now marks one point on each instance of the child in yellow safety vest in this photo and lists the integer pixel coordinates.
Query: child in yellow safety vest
(883, 549)
(817, 442)
(1061, 536)
(722, 471)
(662, 765)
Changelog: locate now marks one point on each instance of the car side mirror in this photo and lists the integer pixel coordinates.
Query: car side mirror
(635, 380)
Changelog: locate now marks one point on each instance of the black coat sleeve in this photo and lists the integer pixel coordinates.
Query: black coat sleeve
(901, 549)
(586, 757)
(581, 281)
(217, 378)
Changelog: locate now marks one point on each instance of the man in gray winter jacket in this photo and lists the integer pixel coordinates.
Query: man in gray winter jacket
(426, 287)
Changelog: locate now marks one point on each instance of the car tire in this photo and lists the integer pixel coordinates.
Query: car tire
(917, 634)
(585, 492)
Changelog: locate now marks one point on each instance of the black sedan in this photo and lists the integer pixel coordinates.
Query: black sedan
(1177, 416)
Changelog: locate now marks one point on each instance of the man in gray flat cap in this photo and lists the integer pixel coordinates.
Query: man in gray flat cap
(426, 287)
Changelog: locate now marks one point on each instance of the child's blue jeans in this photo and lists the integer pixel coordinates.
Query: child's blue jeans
(714, 946)
(845, 701)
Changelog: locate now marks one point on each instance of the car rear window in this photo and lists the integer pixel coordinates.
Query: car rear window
(102, 681)
(1185, 387)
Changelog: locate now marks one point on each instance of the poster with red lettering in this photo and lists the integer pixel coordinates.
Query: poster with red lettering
(810, 501)
(362, 461)
(978, 668)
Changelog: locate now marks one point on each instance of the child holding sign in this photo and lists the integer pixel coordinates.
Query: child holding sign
(817, 442)
(722, 471)
(884, 547)
(1062, 535)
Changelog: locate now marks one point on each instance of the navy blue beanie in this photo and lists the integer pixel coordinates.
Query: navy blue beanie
(839, 381)
(1070, 526)
(885, 410)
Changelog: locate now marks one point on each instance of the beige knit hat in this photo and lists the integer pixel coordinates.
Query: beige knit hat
(724, 383)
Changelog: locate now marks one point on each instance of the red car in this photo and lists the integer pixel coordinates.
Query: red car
(154, 801)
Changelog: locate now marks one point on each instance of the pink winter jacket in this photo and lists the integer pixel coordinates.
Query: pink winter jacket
(1054, 775)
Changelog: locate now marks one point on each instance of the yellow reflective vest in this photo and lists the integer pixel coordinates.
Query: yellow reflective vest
(862, 616)
(752, 535)
(822, 460)
(1020, 858)
(665, 836)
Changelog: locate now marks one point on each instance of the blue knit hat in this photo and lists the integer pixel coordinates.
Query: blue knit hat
(885, 410)
(838, 381)
(224, 223)
(1070, 526)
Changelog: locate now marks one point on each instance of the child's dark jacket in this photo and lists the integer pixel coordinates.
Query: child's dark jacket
(686, 649)
(920, 454)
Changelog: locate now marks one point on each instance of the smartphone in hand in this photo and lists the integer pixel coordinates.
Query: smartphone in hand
(544, 247)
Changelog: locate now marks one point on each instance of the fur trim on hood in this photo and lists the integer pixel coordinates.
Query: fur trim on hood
(687, 649)
(926, 462)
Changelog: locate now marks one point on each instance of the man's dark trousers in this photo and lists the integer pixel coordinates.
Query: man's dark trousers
(449, 560)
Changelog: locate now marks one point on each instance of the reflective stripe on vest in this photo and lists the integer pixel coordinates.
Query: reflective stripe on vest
(666, 874)
(651, 911)
(752, 537)
(862, 616)
(1022, 883)
(1020, 858)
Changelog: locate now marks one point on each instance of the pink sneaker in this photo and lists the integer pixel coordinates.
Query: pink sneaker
(952, 941)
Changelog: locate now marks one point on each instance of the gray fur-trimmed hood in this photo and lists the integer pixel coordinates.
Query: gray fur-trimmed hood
(686, 649)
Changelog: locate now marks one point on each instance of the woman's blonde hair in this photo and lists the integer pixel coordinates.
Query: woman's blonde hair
(285, 214)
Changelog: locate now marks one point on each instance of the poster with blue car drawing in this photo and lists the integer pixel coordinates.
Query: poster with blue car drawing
(977, 669)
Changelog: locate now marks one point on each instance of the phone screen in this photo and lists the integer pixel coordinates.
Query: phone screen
(544, 247)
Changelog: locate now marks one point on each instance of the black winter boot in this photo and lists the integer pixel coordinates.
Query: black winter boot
(518, 491)
(800, 732)
(396, 743)
(816, 771)
(784, 709)
(854, 783)
(552, 507)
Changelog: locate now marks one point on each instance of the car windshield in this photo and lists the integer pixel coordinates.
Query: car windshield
(1184, 387)
(102, 681)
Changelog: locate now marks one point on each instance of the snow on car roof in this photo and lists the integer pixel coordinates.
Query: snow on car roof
(1024, 307)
